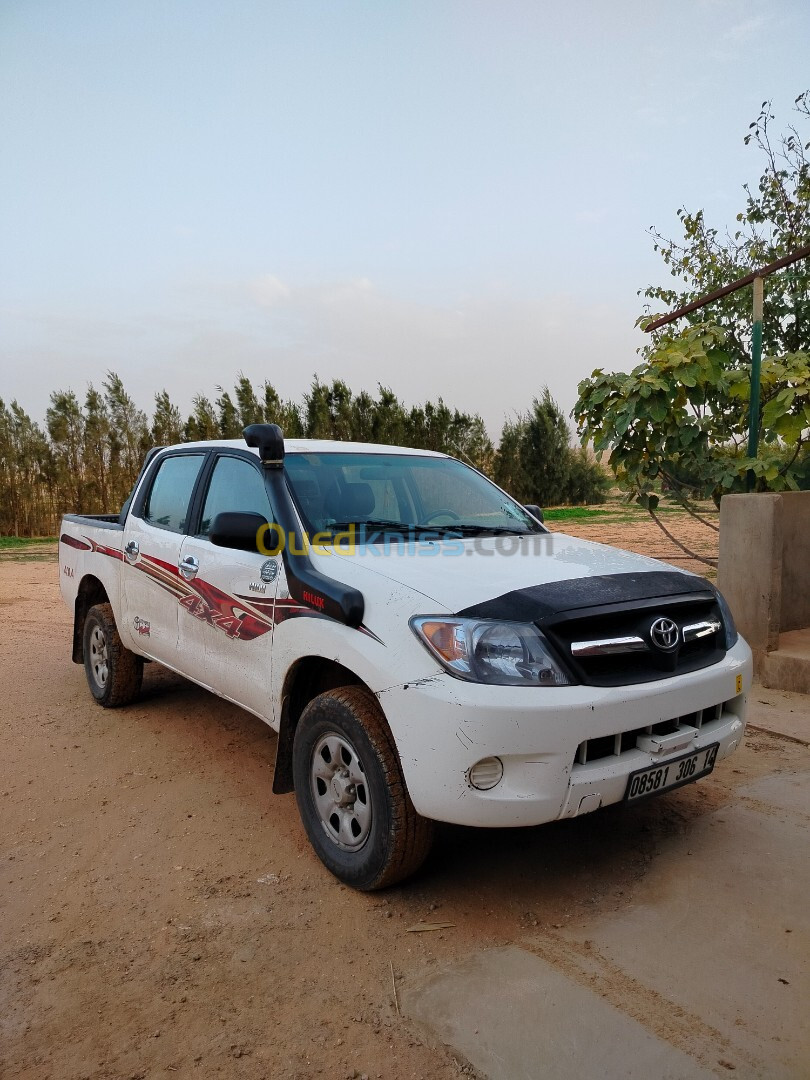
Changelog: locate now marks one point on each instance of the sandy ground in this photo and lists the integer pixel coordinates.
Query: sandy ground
(640, 533)
(163, 913)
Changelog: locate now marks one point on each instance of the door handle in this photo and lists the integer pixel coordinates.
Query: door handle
(189, 567)
(131, 551)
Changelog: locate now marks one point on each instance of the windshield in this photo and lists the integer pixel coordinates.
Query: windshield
(381, 493)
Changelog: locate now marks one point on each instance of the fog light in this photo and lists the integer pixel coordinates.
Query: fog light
(486, 773)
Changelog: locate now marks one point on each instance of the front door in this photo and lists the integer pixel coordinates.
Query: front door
(227, 622)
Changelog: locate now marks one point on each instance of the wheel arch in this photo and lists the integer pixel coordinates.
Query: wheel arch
(91, 592)
(308, 677)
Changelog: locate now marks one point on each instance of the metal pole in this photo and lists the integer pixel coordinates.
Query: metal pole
(764, 271)
(756, 365)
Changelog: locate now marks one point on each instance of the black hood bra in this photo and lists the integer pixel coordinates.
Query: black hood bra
(539, 602)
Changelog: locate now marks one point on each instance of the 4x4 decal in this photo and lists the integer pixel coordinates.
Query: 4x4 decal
(241, 617)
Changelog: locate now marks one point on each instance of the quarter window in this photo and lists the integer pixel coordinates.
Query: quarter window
(170, 496)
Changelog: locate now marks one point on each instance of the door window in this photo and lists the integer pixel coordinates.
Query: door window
(170, 496)
(235, 486)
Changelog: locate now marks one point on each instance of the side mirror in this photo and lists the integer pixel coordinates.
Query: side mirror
(236, 529)
(535, 511)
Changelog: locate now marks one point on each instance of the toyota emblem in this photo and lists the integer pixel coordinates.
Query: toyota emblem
(664, 634)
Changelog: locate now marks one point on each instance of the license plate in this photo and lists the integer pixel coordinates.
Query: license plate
(671, 774)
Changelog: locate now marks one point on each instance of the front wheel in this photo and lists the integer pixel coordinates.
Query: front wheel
(113, 673)
(351, 795)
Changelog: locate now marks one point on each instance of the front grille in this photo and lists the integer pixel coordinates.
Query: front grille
(613, 746)
(625, 651)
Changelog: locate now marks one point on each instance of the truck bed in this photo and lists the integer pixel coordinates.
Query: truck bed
(98, 521)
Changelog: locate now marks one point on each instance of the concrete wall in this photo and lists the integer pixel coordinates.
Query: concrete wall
(795, 614)
(764, 569)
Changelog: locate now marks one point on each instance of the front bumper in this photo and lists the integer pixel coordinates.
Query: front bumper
(443, 726)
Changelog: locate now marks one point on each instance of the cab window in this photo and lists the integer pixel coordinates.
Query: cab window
(169, 498)
(235, 485)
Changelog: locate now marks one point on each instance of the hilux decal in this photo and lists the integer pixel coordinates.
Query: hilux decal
(313, 599)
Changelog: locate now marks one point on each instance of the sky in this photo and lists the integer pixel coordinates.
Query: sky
(448, 197)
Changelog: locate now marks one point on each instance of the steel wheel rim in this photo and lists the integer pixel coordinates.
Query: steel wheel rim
(98, 656)
(340, 792)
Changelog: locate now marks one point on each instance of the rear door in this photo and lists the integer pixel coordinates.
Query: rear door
(153, 537)
(226, 621)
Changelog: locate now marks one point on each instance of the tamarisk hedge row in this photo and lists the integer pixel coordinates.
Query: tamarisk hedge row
(87, 456)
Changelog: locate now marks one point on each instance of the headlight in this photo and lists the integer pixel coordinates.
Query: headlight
(483, 651)
(727, 617)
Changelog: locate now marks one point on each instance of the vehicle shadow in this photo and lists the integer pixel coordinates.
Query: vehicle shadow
(531, 875)
(559, 869)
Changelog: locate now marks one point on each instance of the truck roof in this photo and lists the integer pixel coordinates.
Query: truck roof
(314, 446)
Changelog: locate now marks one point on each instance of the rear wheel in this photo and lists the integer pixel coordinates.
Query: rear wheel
(351, 795)
(113, 673)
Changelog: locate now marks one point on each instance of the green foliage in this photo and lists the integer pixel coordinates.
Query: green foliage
(775, 221)
(536, 464)
(677, 425)
(334, 412)
(90, 456)
(678, 422)
(11, 543)
(129, 437)
(167, 424)
(26, 472)
(203, 422)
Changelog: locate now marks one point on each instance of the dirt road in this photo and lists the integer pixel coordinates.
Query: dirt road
(163, 914)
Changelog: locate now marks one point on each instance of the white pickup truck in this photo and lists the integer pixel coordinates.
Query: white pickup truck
(425, 648)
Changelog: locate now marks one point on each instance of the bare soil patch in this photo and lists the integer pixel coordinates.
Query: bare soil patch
(164, 915)
(636, 531)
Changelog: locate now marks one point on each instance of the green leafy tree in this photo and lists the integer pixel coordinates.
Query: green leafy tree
(774, 222)
(329, 411)
(96, 451)
(203, 422)
(129, 438)
(167, 423)
(469, 440)
(65, 421)
(536, 463)
(250, 409)
(91, 453)
(677, 424)
(228, 421)
(363, 410)
(389, 420)
(284, 413)
(26, 489)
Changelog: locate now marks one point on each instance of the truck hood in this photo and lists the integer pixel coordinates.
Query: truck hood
(458, 574)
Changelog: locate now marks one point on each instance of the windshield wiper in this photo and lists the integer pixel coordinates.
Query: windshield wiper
(375, 526)
(473, 530)
(434, 532)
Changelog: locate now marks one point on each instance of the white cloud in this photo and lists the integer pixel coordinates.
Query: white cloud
(488, 352)
(268, 290)
(747, 29)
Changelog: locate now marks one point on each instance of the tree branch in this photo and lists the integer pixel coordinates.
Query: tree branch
(698, 517)
(677, 543)
(785, 468)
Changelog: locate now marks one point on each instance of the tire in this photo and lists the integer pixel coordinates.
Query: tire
(351, 795)
(113, 673)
